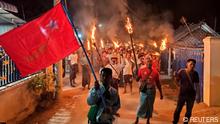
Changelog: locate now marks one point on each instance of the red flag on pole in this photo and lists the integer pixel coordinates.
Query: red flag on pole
(41, 42)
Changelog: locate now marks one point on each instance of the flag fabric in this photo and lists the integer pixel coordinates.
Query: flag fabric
(41, 42)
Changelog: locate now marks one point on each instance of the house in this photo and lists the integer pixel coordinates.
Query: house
(189, 44)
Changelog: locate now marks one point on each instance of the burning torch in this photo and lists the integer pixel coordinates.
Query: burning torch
(130, 32)
(163, 44)
(97, 50)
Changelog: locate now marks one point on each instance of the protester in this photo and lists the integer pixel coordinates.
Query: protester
(105, 58)
(128, 71)
(105, 98)
(149, 79)
(73, 60)
(155, 63)
(116, 69)
(86, 73)
(188, 79)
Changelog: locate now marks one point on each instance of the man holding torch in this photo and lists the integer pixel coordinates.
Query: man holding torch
(149, 79)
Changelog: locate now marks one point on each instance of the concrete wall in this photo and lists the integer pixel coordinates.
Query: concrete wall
(212, 71)
(16, 103)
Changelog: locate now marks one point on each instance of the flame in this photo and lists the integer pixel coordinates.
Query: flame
(155, 44)
(156, 54)
(126, 44)
(163, 44)
(93, 34)
(115, 44)
(93, 46)
(102, 43)
(129, 25)
(141, 45)
(88, 45)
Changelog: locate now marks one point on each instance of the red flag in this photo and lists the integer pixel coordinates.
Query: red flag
(41, 42)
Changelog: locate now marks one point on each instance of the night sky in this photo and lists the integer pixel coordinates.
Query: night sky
(193, 10)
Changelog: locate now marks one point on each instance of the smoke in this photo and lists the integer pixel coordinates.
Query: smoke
(106, 13)
(155, 28)
(149, 24)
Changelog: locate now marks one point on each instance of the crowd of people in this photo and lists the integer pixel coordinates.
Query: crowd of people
(118, 69)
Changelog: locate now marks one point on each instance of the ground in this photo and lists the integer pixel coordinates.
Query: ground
(72, 108)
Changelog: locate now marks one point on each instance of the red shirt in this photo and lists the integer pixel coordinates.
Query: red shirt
(146, 74)
(155, 64)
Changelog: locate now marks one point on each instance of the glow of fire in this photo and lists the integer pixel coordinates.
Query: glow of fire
(93, 46)
(129, 25)
(115, 44)
(157, 54)
(102, 43)
(155, 44)
(141, 45)
(89, 46)
(163, 44)
(93, 34)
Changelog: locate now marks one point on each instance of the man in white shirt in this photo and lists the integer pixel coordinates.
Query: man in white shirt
(73, 63)
(128, 71)
(116, 69)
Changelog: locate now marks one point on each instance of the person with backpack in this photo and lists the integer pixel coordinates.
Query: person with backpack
(103, 99)
(189, 85)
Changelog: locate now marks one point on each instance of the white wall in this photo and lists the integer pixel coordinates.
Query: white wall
(212, 71)
(17, 102)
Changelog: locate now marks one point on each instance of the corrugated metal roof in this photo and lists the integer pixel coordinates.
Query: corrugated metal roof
(8, 18)
(193, 39)
(8, 7)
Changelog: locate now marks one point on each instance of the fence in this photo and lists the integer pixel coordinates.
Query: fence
(180, 62)
(8, 71)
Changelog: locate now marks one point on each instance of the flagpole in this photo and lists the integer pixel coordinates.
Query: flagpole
(80, 41)
(97, 50)
(84, 50)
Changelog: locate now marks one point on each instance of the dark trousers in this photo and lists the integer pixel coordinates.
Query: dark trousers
(115, 83)
(189, 100)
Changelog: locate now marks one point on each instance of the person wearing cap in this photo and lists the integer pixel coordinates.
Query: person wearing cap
(149, 79)
(189, 86)
(116, 69)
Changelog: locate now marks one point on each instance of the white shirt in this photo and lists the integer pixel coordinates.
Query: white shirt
(117, 67)
(127, 67)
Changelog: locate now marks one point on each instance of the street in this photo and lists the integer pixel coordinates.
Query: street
(72, 107)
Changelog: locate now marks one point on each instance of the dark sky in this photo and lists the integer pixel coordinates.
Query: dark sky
(193, 10)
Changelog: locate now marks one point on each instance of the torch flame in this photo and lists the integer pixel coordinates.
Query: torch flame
(155, 44)
(115, 44)
(93, 34)
(89, 46)
(156, 54)
(126, 44)
(129, 25)
(141, 45)
(102, 43)
(163, 44)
